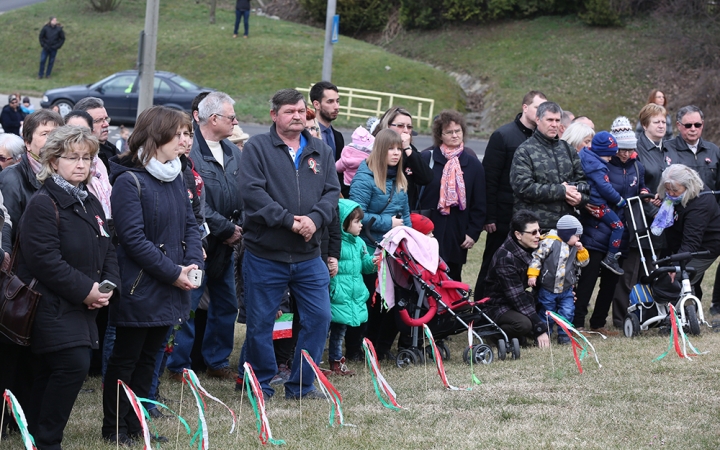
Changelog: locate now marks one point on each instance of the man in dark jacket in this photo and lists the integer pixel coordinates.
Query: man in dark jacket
(11, 117)
(101, 127)
(510, 305)
(498, 192)
(216, 160)
(326, 101)
(290, 188)
(52, 37)
(546, 175)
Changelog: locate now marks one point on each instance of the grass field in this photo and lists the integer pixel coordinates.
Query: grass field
(537, 402)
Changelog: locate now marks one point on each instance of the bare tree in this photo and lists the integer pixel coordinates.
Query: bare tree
(213, 5)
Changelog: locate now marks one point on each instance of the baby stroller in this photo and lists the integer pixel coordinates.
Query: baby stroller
(446, 306)
(658, 288)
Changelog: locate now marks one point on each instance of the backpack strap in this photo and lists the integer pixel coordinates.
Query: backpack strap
(137, 182)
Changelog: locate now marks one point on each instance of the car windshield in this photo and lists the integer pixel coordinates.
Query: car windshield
(183, 83)
(102, 82)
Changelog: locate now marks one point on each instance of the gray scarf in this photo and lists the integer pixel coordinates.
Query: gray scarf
(78, 192)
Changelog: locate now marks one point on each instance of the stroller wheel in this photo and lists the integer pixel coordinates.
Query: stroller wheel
(502, 349)
(515, 348)
(481, 354)
(631, 325)
(692, 320)
(405, 359)
(442, 348)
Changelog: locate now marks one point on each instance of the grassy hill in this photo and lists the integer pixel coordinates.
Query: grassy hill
(277, 55)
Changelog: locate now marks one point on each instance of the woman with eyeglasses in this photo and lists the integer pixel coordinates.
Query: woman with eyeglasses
(456, 195)
(11, 117)
(12, 148)
(64, 244)
(416, 171)
(657, 97)
(159, 244)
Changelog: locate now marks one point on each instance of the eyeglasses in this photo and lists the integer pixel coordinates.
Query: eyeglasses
(690, 125)
(534, 232)
(452, 132)
(6, 159)
(231, 118)
(315, 129)
(402, 125)
(101, 120)
(76, 159)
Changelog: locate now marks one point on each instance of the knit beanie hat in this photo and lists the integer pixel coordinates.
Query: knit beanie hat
(568, 226)
(421, 223)
(604, 144)
(623, 133)
(362, 138)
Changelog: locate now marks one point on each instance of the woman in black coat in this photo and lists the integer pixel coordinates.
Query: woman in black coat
(65, 246)
(159, 243)
(458, 219)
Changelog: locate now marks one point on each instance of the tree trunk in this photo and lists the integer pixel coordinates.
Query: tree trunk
(213, 4)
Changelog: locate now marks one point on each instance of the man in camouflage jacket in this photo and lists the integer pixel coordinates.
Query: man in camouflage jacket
(546, 175)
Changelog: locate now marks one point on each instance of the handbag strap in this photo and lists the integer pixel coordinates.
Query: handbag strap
(16, 244)
(392, 192)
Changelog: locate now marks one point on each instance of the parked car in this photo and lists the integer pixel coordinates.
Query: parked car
(119, 91)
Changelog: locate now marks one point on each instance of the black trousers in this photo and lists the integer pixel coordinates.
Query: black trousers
(381, 328)
(455, 271)
(514, 324)
(632, 265)
(585, 287)
(133, 362)
(16, 374)
(493, 241)
(59, 376)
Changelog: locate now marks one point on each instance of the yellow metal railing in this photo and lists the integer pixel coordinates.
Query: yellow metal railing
(363, 103)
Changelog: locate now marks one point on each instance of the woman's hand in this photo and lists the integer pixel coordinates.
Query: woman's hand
(396, 222)
(467, 243)
(656, 201)
(406, 140)
(96, 299)
(183, 282)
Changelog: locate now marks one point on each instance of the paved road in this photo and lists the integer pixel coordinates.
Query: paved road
(9, 5)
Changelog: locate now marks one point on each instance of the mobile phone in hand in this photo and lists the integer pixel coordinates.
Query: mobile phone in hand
(195, 276)
(106, 286)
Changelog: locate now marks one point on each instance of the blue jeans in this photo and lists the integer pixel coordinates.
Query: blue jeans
(242, 15)
(265, 283)
(562, 303)
(48, 55)
(220, 330)
(337, 335)
(108, 343)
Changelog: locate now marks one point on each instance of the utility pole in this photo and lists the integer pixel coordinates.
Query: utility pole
(328, 53)
(149, 50)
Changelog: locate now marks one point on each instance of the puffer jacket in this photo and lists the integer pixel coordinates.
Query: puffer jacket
(350, 160)
(373, 202)
(596, 171)
(556, 263)
(539, 168)
(348, 293)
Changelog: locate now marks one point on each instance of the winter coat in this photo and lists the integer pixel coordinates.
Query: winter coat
(66, 260)
(17, 183)
(706, 162)
(11, 119)
(418, 174)
(627, 179)
(496, 162)
(375, 204)
(348, 293)
(596, 172)
(697, 226)
(52, 37)
(654, 160)
(242, 5)
(222, 185)
(275, 190)
(350, 160)
(107, 151)
(157, 232)
(451, 229)
(507, 282)
(556, 264)
(539, 168)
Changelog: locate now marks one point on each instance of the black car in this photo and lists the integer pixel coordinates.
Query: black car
(119, 91)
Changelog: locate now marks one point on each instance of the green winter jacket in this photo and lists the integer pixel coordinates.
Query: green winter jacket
(348, 293)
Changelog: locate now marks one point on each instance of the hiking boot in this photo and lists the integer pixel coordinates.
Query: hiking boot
(339, 368)
(223, 373)
(282, 375)
(312, 395)
(175, 376)
(605, 331)
(611, 263)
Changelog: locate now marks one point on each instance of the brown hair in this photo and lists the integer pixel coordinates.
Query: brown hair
(377, 160)
(389, 117)
(356, 213)
(40, 117)
(63, 140)
(309, 114)
(444, 119)
(154, 128)
(530, 96)
(649, 111)
(653, 93)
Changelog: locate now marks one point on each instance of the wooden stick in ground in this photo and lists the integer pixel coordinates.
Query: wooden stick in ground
(177, 434)
(2, 419)
(117, 416)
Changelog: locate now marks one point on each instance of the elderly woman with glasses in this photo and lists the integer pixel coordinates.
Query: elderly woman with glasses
(11, 117)
(455, 198)
(12, 148)
(64, 244)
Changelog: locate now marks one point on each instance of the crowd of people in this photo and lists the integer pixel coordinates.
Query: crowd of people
(148, 251)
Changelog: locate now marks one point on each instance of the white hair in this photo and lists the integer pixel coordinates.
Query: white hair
(14, 144)
(576, 133)
(212, 104)
(681, 175)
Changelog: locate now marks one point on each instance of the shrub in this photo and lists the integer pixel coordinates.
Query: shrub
(105, 5)
(355, 15)
(601, 13)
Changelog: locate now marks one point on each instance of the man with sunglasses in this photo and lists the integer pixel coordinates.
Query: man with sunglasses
(510, 305)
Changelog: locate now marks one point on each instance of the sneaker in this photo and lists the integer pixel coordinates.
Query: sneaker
(122, 439)
(312, 395)
(155, 413)
(175, 376)
(223, 373)
(611, 263)
(339, 368)
(715, 309)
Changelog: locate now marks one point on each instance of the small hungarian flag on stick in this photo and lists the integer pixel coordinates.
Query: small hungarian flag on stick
(283, 327)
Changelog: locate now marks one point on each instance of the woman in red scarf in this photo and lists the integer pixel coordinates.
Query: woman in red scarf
(456, 194)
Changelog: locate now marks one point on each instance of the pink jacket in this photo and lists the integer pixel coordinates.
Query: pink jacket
(350, 160)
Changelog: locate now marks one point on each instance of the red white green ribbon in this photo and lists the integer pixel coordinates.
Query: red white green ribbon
(474, 379)
(438, 361)
(19, 416)
(379, 382)
(577, 340)
(677, 332)
(332, 394)
(255, 396)
(199, 392)
(140, 412)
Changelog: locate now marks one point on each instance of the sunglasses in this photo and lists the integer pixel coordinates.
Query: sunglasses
(690, 125)
(533, 232)
(5, 159)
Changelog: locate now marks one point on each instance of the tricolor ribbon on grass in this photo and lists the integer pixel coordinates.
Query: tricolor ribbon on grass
(438, 361)
(199, 392)
(677, 332)
(255, 396)
(473, 378)
(140, 412)
(332, 394)
(19, 416)
(379, 382)
(577, 340)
